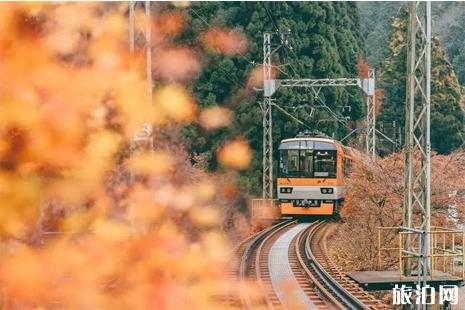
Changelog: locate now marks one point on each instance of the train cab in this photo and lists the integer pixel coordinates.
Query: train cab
(311, 176)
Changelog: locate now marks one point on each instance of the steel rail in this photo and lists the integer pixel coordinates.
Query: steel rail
(318, 287)
(259, 255)
(235, 255)
(256, 243)
(337, 289)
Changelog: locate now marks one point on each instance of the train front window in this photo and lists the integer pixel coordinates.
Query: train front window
(307, 159)
(306, 163)
(325, 164)
(289, 163)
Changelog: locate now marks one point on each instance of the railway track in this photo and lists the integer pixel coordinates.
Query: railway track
(289, 263)
(349, 295)
(241, 265)
(254, 265)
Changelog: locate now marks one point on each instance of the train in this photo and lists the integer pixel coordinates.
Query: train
(311, 173)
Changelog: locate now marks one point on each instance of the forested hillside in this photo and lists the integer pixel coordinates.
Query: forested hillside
(447, 114)
(326, 42)
(448, 24)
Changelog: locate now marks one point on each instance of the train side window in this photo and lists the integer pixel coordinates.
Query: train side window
(283, 165)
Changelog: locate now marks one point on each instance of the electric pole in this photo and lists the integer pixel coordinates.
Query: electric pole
(370, 134)
(268, 90)
(417, 137)
(143, 138)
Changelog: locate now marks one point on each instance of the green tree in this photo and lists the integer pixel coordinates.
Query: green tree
(326, 42)
(459, 64)
(448, 25)
(447, 114)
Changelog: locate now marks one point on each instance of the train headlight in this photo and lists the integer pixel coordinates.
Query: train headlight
(285, 190)
(327, 190)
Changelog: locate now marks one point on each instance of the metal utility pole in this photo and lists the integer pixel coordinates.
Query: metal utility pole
(417, 136)
(148, 49)
(371, 113)
(268, 88)
(143, 138)
(132, 4)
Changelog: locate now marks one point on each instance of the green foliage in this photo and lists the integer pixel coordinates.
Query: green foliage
(375, 20)
(448, 24)
(447, 115)
(326, 42)
(459, 64)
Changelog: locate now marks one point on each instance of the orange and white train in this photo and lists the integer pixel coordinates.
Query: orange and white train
(311, 175)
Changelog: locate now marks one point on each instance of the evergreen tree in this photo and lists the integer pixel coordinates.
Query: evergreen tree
(448, 24)
(447, 114)
(326, 42)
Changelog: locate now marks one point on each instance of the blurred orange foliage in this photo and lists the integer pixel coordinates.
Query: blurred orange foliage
(215, 117)
(174, 64)
(256, 77)
(229, 42)
(86, 220)
(235, 154)
(173, 103)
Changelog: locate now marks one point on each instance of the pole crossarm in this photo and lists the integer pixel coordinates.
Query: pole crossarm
(319, 82)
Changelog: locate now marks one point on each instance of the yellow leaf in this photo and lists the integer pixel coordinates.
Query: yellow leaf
(215, 117)
(111, 230)
(174, 103)
(235, 154)
(151, 163)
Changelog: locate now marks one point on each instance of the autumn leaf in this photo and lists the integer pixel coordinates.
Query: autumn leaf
(215, 117)
(175, 64)
(225, 41)
(151, 163)
(173, 103)
(235, 154)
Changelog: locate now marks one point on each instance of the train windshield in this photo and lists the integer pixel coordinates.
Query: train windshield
(298, 160)
(325, 164)
(308, 163)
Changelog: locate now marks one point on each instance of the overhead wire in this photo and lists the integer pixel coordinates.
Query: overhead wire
(281, 109)
(291, 116)
(241, 83)
(289, 49)
(253, 63)
(269, 16)
(333, 114)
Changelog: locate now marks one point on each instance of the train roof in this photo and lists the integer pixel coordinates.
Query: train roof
(308, 143)
(328, 140)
